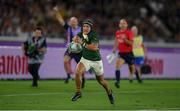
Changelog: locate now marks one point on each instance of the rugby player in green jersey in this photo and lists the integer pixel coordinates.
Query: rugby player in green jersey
(91, 59)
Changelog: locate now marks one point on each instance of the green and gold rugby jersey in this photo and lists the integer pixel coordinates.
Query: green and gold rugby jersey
(92, 37)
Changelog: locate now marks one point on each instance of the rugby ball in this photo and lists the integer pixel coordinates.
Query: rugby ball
(74, 47)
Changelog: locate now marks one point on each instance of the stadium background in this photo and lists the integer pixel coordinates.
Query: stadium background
(157, 20)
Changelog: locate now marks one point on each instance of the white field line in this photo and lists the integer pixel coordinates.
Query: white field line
(56, 93)
(31, 94)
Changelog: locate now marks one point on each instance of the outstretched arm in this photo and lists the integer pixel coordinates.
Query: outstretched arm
(59, 16)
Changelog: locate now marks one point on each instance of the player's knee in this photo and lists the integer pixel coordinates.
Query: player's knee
(132, 70)
(66, 62)
(79, 70)
(119, 63)
(66, 59)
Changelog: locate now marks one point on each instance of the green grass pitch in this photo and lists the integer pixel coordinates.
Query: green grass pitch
(55, 95)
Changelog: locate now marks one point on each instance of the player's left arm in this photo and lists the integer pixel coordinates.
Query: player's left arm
(94, 46)
(129, 39)
(59, 16)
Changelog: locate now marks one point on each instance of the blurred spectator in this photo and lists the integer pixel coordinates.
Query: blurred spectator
(156, 20)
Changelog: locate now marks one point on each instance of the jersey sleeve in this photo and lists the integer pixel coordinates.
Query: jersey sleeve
(95, 38)
(66, 26)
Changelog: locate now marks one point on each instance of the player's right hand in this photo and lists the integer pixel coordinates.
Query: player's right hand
(76, 39)
(55, 8)
(58, 15)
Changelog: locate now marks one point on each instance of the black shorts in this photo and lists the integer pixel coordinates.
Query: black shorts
(127, 57)
(75, 56)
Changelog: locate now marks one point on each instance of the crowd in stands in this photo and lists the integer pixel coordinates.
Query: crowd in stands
(157, 20)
